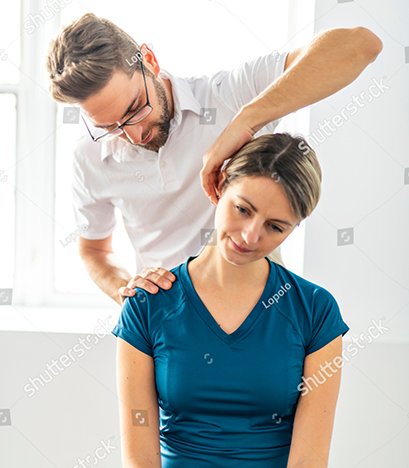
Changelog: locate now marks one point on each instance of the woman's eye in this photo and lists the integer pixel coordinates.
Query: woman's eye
(275, 228)
(241, 208)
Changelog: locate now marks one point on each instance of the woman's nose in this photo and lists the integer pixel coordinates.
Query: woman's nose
(251, 233)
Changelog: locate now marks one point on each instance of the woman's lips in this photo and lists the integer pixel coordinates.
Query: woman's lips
(143, 142)
(238, 248)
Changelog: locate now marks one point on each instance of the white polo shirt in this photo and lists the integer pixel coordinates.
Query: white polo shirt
(159, 193)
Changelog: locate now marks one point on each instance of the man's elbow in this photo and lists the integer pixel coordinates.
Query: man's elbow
(368, 44)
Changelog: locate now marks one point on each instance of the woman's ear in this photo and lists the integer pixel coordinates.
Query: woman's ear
(222, 178)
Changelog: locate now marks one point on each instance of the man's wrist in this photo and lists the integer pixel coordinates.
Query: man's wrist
(256, 116)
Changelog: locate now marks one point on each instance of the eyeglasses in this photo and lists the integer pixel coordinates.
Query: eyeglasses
(134, 119)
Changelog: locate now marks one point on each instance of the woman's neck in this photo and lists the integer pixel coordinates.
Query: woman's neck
(212, 270)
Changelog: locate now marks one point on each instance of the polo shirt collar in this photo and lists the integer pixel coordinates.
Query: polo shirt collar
(183, 99)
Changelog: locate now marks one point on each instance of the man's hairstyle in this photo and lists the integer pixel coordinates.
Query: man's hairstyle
(83, 57)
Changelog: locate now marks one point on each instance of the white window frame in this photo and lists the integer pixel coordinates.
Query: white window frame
(35, 178)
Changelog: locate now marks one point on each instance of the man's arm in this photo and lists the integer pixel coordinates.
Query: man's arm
(108, 273)
(331, 61)
(103, 266)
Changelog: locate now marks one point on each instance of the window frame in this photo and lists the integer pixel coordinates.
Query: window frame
(34, 259)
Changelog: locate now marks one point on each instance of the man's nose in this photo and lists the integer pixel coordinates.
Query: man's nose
(134, 133)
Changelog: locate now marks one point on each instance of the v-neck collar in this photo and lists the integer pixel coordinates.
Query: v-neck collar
(190, 291)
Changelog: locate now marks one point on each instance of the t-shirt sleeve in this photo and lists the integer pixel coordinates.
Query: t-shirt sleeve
(133, 323)
(238, 87)
(326, 321)
(97, 214)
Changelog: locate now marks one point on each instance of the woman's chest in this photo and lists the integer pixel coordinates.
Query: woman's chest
(229, 310)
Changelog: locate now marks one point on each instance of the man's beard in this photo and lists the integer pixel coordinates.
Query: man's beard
(163, 124)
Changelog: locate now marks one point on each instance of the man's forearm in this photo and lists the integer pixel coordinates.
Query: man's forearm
(106, 270)
(331, 61)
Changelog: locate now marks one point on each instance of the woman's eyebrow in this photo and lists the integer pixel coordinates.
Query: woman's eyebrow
(126, 113)
(255, 209)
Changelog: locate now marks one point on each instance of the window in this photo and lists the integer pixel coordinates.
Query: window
(37, 166)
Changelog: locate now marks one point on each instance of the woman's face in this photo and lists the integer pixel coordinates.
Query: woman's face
(253, 213)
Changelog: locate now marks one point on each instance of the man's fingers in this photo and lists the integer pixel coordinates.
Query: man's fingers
(124, 292)
(152, 278)
(155, 274)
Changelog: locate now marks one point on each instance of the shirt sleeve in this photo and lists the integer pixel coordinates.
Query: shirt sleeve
(97, 214)
(132, 325)
(241, 85)
(327, 322)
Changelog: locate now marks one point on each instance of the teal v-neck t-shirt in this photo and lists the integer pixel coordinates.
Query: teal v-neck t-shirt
(229, 400)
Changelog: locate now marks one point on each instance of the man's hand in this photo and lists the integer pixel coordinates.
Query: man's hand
(331, 61)
(148, 279)
(233, 137)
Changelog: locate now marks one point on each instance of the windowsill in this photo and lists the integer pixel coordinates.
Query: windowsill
(58, 319)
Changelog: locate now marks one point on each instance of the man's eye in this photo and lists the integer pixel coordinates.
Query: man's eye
(133, 110)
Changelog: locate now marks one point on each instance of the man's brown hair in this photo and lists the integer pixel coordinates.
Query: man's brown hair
(83, 57)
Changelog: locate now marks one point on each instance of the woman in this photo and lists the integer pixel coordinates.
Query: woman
(234, 357)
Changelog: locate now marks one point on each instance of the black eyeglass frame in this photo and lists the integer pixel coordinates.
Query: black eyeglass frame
(127, 122)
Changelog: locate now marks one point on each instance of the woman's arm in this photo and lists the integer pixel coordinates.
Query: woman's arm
(139, 410)
(314, 417)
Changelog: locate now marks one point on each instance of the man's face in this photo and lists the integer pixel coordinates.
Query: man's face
(121, 98)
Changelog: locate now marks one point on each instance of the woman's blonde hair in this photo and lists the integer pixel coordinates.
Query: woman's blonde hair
(82, 58)
(289, 161)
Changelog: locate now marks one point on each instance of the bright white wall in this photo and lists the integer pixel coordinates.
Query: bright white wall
(364, 163)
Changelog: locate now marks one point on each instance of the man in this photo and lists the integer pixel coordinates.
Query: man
(149, 131)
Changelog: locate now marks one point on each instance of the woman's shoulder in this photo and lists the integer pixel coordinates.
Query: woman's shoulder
(163, 299)
(313, 291)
